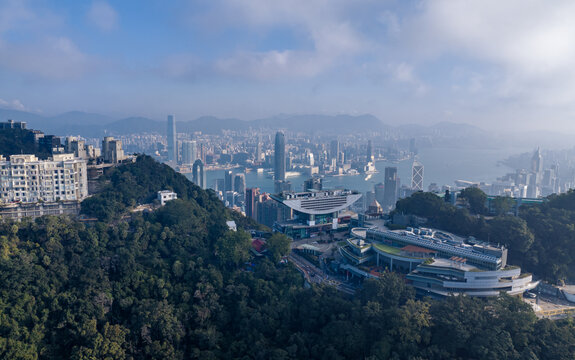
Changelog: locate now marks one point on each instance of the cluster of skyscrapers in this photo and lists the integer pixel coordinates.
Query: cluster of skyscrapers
(185, 153)
(534, 182)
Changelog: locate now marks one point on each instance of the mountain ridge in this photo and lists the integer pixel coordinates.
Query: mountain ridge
(97, 125)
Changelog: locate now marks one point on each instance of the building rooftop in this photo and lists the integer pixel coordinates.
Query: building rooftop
(312, 194)
(482, 252)
(412, 248)
(452, 264)
(319, 202)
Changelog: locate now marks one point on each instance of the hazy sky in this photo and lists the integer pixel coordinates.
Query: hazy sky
(503, 64)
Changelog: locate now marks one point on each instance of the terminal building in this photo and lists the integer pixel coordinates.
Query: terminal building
(437, 263)
(314, 211)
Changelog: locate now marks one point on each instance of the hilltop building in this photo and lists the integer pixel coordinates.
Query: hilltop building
(112, 151)
(166, 195)
(437, 263)
(26, 179)
(80, 150)
(314, 211)
(11, 124)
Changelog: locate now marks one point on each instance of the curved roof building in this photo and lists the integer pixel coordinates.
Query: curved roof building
(318, 202)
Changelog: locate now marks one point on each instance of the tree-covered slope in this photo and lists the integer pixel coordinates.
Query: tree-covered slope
(174, 284)
(20, 141)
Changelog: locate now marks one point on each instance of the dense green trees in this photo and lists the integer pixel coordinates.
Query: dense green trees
(278, 245)
(475, 198)
(172, 285)
(20, 141)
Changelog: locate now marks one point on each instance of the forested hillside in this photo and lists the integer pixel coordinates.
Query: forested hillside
(20, 141)
(174, 284)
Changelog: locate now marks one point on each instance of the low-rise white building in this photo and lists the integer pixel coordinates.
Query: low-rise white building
(26, 179)
(166, 195)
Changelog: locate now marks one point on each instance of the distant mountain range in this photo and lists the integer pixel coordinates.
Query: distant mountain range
(92, 125)
(96, 125)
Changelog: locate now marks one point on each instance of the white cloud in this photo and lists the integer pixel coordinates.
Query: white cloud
(531, 41)
(322, 22)
(12, 104)
(12, 13)
(38, 54)
(390, 19)
(50, 57)
(103, 16)
(404, 73)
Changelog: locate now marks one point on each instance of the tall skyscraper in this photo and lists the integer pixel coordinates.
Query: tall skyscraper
(379, 190)
(189, 152)
(258, 152)
(412, 146)
(313, 184)
(240, 183)
(417, 176)
(391, 188)
(369, 154)
(536, 163)
(228, 181)
(198, 174)
(280, 157)
(251, 202)
(334, 150)
(172, 140)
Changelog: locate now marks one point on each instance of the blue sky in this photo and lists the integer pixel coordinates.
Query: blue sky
(502, 65)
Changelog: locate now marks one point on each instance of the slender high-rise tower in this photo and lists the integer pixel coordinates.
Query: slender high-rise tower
(536, 164)
(198, 174)
(334, 150)
(172, 141)
(251, 202)
(369, 155)
(417, 176)
(228, 180)
(280, 157)
(391, 187)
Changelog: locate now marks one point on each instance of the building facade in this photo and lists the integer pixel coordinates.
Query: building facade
(24, 178)
(189, 152)
(198, 174)
(391, 188)
(172, 140)
(112, 151)
(280, 157)
(417, 176)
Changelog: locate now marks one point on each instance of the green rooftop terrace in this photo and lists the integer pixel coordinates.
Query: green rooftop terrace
(388, 249)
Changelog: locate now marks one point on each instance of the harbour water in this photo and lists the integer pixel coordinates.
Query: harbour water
(442, 166)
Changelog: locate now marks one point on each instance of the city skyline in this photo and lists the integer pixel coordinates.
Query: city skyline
(404, 62)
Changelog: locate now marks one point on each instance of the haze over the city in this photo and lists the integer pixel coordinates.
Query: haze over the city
(497, 65)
